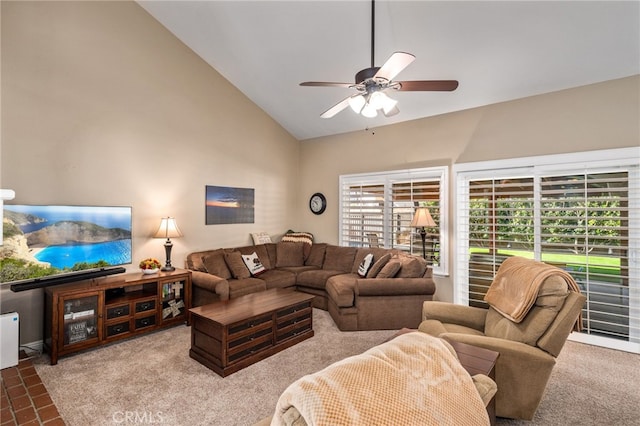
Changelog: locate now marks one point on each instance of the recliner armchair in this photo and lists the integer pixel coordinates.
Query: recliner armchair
(528, 349)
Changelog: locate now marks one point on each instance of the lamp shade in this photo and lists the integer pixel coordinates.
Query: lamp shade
(356, 103)
(168, 229)
(422, 218)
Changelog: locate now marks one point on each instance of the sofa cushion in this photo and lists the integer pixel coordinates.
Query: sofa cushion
(340, 289)
(316, 278)
(253, 263)
(316, 256)
(236, 265)
(278, 278)
(337, 258)
(296, 270)
(550, 300)
(390, 269)
(215, 264)
(411, 266)
(365, 265)
(271, 254)
(244, 286)
(377, 267)
(289, 254)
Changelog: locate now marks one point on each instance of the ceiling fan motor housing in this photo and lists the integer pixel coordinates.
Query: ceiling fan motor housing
(366, 74)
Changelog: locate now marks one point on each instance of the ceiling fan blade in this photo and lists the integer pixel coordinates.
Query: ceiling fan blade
(428, 85)
(396, 63)
(336, 108)
(325, 84)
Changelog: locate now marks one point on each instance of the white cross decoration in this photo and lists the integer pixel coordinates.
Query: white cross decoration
(176, 288)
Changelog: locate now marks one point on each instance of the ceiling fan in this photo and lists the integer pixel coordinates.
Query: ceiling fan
(372, 83)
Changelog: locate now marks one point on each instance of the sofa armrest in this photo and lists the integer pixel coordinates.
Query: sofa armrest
(394, 286)
(450, 313)
(506, 348)
(212, 283)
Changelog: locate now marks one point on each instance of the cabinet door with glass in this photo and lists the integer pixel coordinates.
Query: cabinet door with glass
(174, 299)
(81, 320)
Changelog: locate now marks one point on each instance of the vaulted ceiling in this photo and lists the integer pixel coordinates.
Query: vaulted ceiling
(497, 50)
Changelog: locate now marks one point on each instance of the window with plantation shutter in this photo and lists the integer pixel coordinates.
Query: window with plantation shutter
(500, 224)
(406, 196)
(377, 209)
(579, 212)
(362, 214)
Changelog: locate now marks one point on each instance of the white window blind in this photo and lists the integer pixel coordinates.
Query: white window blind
(362, 214)
(377, 208)
(501, 215)
(581, 217)
(406, 196)
(585, 228)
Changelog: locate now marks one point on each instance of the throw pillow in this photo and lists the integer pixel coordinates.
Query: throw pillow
(300, 237)
(236, 265)
(377, 267)
(365, 265)
(389, 270)
(316, 257)
(294, 237)
(253, 264)
(195, 263)
(215, 264)
(261, 238)
(412, 266)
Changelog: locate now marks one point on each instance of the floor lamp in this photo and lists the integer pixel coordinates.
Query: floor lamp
(168, 229)
(422, 219)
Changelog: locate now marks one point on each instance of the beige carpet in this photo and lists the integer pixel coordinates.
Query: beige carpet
(151, 379)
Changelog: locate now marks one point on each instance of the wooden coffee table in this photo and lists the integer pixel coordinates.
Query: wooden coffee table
(231, 335)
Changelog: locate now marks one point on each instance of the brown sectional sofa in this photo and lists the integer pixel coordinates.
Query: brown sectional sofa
(389, 297)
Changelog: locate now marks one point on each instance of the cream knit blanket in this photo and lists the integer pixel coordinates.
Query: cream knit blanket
(413, 379)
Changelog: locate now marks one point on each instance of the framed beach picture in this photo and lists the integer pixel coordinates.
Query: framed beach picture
(224, 204)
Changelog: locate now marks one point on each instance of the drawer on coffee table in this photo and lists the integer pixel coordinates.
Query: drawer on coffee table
(293, 321)
(249, 345)
(247, 337)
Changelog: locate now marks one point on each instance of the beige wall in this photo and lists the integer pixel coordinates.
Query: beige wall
(599, 116)
(101, 105)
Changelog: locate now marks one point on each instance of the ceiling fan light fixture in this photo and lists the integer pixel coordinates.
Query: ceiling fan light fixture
(369, 111)
(388, 104)
(357, 103)
(377, 100)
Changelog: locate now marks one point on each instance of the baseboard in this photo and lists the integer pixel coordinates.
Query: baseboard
(31, 347)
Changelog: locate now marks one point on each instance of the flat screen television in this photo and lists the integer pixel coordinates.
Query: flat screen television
(51, 244)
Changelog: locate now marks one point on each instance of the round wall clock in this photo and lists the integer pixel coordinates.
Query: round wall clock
(317, 203)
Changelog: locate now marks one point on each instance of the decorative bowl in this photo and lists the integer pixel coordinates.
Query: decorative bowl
(150, 265)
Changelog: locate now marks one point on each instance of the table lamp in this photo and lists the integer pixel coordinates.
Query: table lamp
(168, 229)
(422, 219)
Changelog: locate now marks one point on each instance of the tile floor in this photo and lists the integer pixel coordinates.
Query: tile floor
(25, 400)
